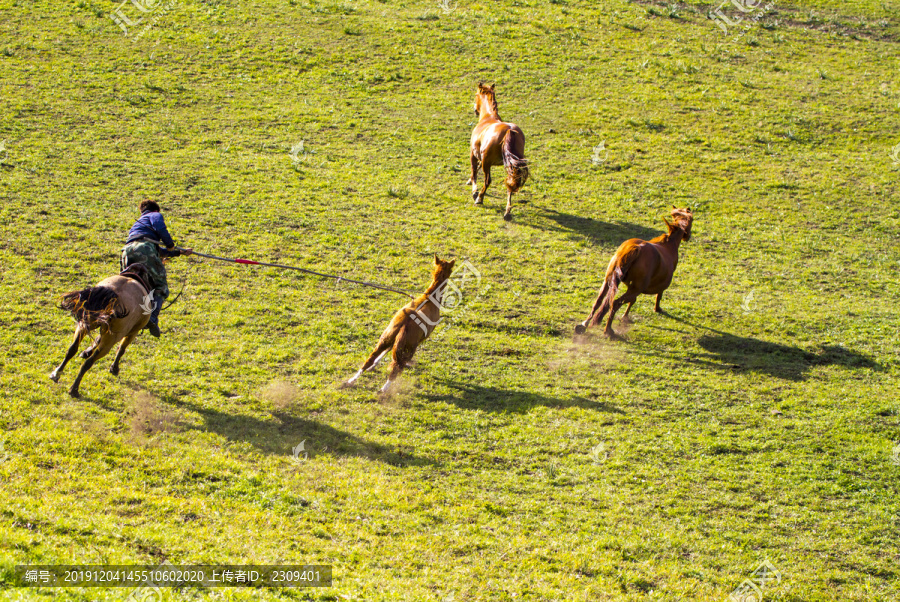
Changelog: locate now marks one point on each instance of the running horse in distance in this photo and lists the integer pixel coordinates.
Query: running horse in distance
(496, 142)
(645, 267)
(118, 308)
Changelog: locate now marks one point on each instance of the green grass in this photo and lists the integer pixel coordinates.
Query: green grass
(729, 434)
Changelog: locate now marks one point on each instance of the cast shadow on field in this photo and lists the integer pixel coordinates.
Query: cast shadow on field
(493, 399)
(600, 233)
(280, 434)
(511, 323)
(726, 351)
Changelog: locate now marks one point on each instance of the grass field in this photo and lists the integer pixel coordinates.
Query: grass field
(756, 420)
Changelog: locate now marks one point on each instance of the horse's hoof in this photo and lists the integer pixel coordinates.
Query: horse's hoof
(507, 217)
(85, 354)
(580, 329)
(114, 370)
(54, 377)
(74, 393)
(346, 385)
(469, 182)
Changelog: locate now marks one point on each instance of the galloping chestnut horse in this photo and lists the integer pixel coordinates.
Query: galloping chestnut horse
(495, 142)
(114, 308)
(409, 327)
(646, 267)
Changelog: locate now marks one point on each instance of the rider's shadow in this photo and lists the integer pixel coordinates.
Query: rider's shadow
(281, 434)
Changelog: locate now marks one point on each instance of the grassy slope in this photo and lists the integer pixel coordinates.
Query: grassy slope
(475, 483)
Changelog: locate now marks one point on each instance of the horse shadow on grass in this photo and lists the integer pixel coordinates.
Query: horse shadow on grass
(726, 351)
(279, 435)
(600, 233)
(492, 399)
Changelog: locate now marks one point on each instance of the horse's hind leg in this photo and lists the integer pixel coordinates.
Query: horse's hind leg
(658, 309)
(73, 349)
(114, 369)
(593, 317)
(384, 345)
(402, 355)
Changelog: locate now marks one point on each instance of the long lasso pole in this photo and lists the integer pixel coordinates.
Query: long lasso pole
(305, 271)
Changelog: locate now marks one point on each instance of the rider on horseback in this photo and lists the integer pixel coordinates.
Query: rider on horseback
(148, 243)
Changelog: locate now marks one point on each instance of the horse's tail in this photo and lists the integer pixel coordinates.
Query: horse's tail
(617, 270)
(93, 307)
(516, 166)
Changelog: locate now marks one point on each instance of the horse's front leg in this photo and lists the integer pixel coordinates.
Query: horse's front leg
(487, 182)
(507, 215)
(114, 369)
(87, 352)
(73, 349)
(625, 318)
(629, 298)
(473, 177)
(102, 348)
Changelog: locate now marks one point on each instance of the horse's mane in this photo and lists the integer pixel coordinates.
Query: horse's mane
(489, 93)
(494, 102)
(672, 226)
(662, 237)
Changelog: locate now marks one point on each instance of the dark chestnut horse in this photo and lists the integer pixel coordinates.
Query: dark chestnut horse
(646, 267)
(495, 142)
(411, 325)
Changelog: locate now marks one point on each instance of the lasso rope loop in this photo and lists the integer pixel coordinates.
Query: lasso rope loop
(183, 285)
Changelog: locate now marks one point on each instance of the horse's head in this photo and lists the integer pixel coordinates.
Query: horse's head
(682, 219)
(442, 269)
(485, 99)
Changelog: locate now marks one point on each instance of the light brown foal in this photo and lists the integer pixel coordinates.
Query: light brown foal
(411, 325)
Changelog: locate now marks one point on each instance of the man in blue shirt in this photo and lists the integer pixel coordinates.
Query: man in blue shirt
(148, 243)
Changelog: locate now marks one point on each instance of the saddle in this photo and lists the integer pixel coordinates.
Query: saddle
(140, 274)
